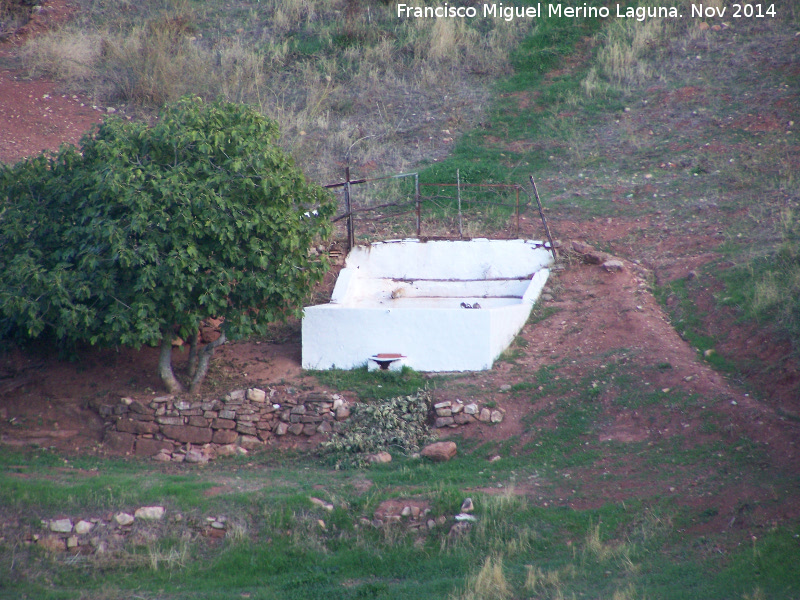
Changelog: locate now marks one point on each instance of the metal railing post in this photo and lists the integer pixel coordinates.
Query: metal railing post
(417, 199)
(458, 187)
(350, 233)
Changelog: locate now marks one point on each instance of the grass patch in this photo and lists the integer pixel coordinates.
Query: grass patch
(516, 546)
(689, 321)
(374, 385)
(767, 290)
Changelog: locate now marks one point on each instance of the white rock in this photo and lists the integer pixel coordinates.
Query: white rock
(61, 525)
(465, 517)
(471, 409)
(83, 527)
(150, 513)
(256, 395)
(321, 503)
(196, 457)
(123, 519)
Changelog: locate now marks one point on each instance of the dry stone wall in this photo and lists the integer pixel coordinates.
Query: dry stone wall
(169, 428)
(111, 532)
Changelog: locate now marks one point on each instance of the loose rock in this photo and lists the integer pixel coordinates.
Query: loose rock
(440, 451)
(150, 513)
(61, 525)
(613, 266)
(123, 519)
(380, 457)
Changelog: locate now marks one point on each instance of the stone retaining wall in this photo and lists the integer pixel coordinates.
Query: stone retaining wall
(171, 429)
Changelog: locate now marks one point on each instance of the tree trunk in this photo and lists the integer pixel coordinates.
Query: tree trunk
(192, 367)
(165, 366)
(205, 358)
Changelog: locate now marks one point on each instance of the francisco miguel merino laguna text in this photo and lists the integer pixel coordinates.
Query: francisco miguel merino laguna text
(509, 13)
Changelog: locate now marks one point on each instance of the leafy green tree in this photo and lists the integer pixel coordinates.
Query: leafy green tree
(146, 230)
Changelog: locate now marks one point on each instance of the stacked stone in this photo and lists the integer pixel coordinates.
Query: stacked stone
(314, 413)
(412, 516)
(245, 418)
(452, 413)
(92, 535)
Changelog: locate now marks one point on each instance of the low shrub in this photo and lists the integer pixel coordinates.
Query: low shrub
(399, 424)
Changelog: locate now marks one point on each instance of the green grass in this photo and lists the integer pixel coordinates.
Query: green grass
(689, 320)
(285, 554)
(375, 385)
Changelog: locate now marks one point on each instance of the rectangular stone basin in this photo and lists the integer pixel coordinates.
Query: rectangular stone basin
(442, 305)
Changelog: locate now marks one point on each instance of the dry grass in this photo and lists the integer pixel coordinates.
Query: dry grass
(550, 582)
(346, 80)
(634, 52)
(488, 584)
(622, 57)
(172, 558)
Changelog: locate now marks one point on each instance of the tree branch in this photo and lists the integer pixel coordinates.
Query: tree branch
(205, 359)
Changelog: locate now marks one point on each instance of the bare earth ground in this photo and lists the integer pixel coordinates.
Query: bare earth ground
(45, 401)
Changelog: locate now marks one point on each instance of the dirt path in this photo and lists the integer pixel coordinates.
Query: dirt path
(34, 114)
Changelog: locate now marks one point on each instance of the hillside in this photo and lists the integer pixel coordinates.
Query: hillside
(652, 414)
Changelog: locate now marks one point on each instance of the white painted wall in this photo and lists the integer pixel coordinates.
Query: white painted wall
(405, 297)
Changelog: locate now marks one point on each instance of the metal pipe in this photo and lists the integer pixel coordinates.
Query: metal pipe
(458, 187)
(417, 198)
(544, 220)
(350, 232)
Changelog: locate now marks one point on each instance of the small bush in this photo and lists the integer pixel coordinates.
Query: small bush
(396, 424)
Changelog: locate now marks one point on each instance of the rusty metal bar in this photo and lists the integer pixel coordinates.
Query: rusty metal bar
(502, 185)
(345, 183)
(418, 200)
(351, 238)
(354, 211)
(419, 203)
(458, 183)
(544, 220)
